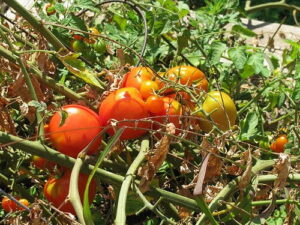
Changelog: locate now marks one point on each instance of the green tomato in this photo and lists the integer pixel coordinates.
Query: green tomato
(78, 46)
(100, 46)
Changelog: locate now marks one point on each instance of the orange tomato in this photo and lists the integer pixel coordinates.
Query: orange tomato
(278, 145)
(148, 88)
(125, 104)
(155, 105)
(136, 76)
(9, 205)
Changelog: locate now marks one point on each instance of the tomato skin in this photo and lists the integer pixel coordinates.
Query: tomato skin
(57, 189)
(148, 88)
(78, 45)
(50, 9)
(123, 104)
(278, 145)
(155, 105)
(100, 47)
(80, 127)
(10, 206)
(171, 113)
(136, 76)
(213, 105)
(188, 75)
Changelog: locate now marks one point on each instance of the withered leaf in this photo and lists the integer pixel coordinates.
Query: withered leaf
(282, 166)
(6, 122)
(246, 177)
(155, 159)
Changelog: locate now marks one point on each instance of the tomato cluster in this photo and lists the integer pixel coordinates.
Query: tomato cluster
(9, 205)
(279, 143)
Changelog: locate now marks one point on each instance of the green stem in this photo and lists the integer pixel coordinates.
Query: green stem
(35, 23)
(279, 4)
(278, 202)
(121, 207)
(37, 50)
(205, 210)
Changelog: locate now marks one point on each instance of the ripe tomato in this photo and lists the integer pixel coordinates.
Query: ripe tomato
(171, 113)
(125, 104)
(10, 206)
(213, 105)
(155, 105)
(136, 76)
(42, 163)
(57, 189)
(278, 145)
(188, 75)
(79, 128)
(78, 37)
(148, 87)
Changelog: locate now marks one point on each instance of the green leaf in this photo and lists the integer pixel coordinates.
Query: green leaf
(78, 68)
(249, 127)
(121, 21)
(257, 61)
(296, 92)
(238, 57)
(274, 61)
(63, 117)
(183, 41)
(217, 49)
(40, 106)
(248, 71)
(87, 4)
(243, 30)
(297, 71)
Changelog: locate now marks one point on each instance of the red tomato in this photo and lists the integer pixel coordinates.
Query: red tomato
(278, 145)
(136, 76)
(172, 112)
(78, 37)
(155, 105)
(10, 206)
(57, 189)
(125, 104)
(80, 127)
(42, 163)
(148, 88)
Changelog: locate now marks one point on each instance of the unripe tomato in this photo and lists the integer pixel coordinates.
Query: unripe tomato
(10, 206)
(42, 163)
(278, 145)
(125, 104)
(188, 75)
(100, 47)
(79, 128)
(136, 76)
(223, 116)
(56, 190)
(78, 45)
(171, 113)
(50, 9)
(148, 88)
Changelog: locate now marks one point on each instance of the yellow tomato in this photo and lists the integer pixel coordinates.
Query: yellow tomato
(221, 109)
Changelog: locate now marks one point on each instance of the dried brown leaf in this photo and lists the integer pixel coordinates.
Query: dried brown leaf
(6, 122)
(246, 177)
(155, 159)
(183, 212)
(282, 167)
(211, 191)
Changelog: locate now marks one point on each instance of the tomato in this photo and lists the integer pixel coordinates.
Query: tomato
(171, 113)
(148, 88)
(57, 189)
(188, 75)
(278, 145)
(136, 76)
(78, 45)
(79, 128)
(100, 47)
(94, 30)
(125, 104)
(223, 116)
(78, 37)
(42, 163)
(10, 206)
(155, 105)
(50, 9)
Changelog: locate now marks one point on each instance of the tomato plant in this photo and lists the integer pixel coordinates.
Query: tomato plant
(78, 46)
(279, 143)
(73, 128)
(125, 104)
(100, 46)
(221, 110)
(136, 76)
(42, 163)
(9, 205)
(148, 87)
(56, 190)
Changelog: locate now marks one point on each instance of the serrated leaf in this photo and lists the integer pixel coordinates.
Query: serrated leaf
(78, 68)
(87, 4)
(256, 60)
(238, 57)
(217, 49)
(121, 21)
(243, 30)
(249, 126)
(248, 71)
